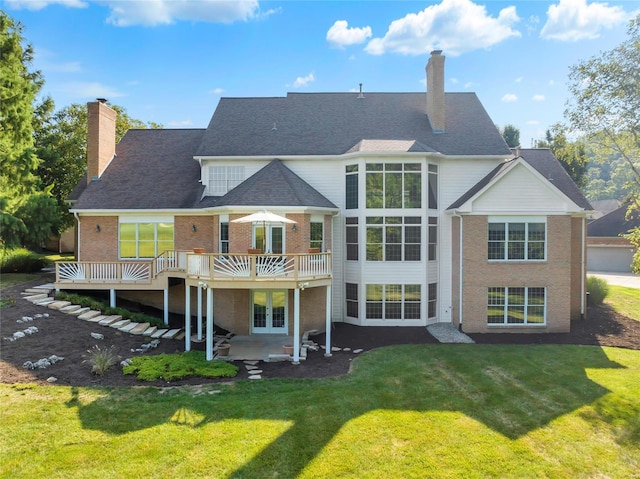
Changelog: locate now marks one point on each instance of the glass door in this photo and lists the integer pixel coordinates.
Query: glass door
(269, 238)
(269, 312)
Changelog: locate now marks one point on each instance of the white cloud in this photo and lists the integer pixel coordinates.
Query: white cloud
(573, 20)
(303, 81)
(510, 98)
(538, 97)
(469, 85)
(340, 35)
(84, 90)
(163, 12)
(67, 67)
(533, 122)
(455, 26)
(519, 79)
(40, 4)
(217, 91)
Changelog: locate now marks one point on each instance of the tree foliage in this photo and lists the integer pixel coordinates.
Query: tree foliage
(22, 195)
(511, 135)
(61, 143)
(605, 107)
(572, 155)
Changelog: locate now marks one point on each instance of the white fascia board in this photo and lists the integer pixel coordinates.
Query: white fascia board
(148, 212)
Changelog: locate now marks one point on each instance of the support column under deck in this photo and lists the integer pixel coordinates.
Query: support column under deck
(209, 324)
(187, 318)
(327, 334)
(296, 326)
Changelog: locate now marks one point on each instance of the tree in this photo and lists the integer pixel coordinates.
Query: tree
(571, 155)
(61, 143)
(21, 193)
(605, 108)
(511, 135)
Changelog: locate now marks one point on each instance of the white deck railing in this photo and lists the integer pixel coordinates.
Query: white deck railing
(229, 267)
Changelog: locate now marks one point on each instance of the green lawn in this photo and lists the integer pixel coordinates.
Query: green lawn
(405, 411)
(624, 300)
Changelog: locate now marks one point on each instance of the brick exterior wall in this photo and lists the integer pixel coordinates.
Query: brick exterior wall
(206, 235)
(99, 245)
(560, 274)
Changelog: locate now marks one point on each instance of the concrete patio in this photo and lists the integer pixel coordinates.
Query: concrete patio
(257, 347)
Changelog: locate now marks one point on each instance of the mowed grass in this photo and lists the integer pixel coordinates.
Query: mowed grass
(405, 411)
(624, 300)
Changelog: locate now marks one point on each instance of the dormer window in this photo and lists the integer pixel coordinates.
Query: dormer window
(223, 179)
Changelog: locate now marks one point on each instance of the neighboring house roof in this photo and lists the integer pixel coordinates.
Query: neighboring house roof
(545, 163)
(337, 123)
(273, 185)
(613, 224)
(602, 207)
(152, 169)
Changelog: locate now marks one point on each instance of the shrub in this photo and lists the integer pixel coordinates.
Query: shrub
(598, 289)
(101, 359)
(21, 260)
(171, 367)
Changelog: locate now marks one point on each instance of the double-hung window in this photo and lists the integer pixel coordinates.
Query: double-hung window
(517, 239)
(394, 185)
(393, 301)
(393, 238)
(223, 179)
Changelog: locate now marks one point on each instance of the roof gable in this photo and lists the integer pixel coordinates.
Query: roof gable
(274, 185)
(613, 224)
(517, 186)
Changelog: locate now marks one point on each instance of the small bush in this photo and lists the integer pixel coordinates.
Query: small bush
(598, 289)
(101, 359)
(21, 260)
(171, 367)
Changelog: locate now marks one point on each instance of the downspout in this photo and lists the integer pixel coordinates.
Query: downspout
(583, 272)
(77, 233)
(458, 215)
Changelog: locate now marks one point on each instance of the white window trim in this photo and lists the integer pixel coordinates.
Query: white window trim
(526, 220)
(505, 324)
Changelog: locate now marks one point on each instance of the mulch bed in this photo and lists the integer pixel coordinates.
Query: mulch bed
(66, 336)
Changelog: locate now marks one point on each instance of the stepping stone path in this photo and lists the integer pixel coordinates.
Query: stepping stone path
(40, 295)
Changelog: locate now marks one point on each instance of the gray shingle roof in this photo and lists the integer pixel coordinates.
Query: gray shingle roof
(545, 163)
(613, 224)
(153, 169)
(273, 185)
(335, 123)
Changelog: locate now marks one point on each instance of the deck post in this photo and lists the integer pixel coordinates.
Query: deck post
(166, 306)
(187, 318)
(296, 326)
(327, 334)
(199, 314)
(209, 324)
(112, 298)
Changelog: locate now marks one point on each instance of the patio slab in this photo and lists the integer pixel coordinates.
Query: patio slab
(257, 347)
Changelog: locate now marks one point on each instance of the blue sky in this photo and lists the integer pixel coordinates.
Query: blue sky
(170, 61)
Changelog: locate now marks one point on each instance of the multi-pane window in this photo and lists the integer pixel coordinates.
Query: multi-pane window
(351, 187)
(432, 238)
(517, 240)
(432, 300)
(516, 305)
(394, 185)
(352, 238)
(352, 299)
(224, 237)
(144, 240)
(223, 179)
(316, 239)
(433, 187)
(393, 238)
(393, 301)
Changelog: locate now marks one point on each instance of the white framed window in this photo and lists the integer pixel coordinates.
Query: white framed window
(222, 179)
(394, 238)
(393, 301)
(316, 233)
(517, 239)
(517, 306)
(224, 234)
(144, 239)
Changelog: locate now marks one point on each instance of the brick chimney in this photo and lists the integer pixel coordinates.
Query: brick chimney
(101, 138)
(435, 91)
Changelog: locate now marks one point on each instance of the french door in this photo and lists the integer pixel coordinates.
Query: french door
(269, 312)
(269, 238)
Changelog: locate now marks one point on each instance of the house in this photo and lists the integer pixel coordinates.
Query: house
(408, 209)
(607, 250)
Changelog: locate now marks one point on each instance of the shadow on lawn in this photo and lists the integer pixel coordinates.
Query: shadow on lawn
(510, 389)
